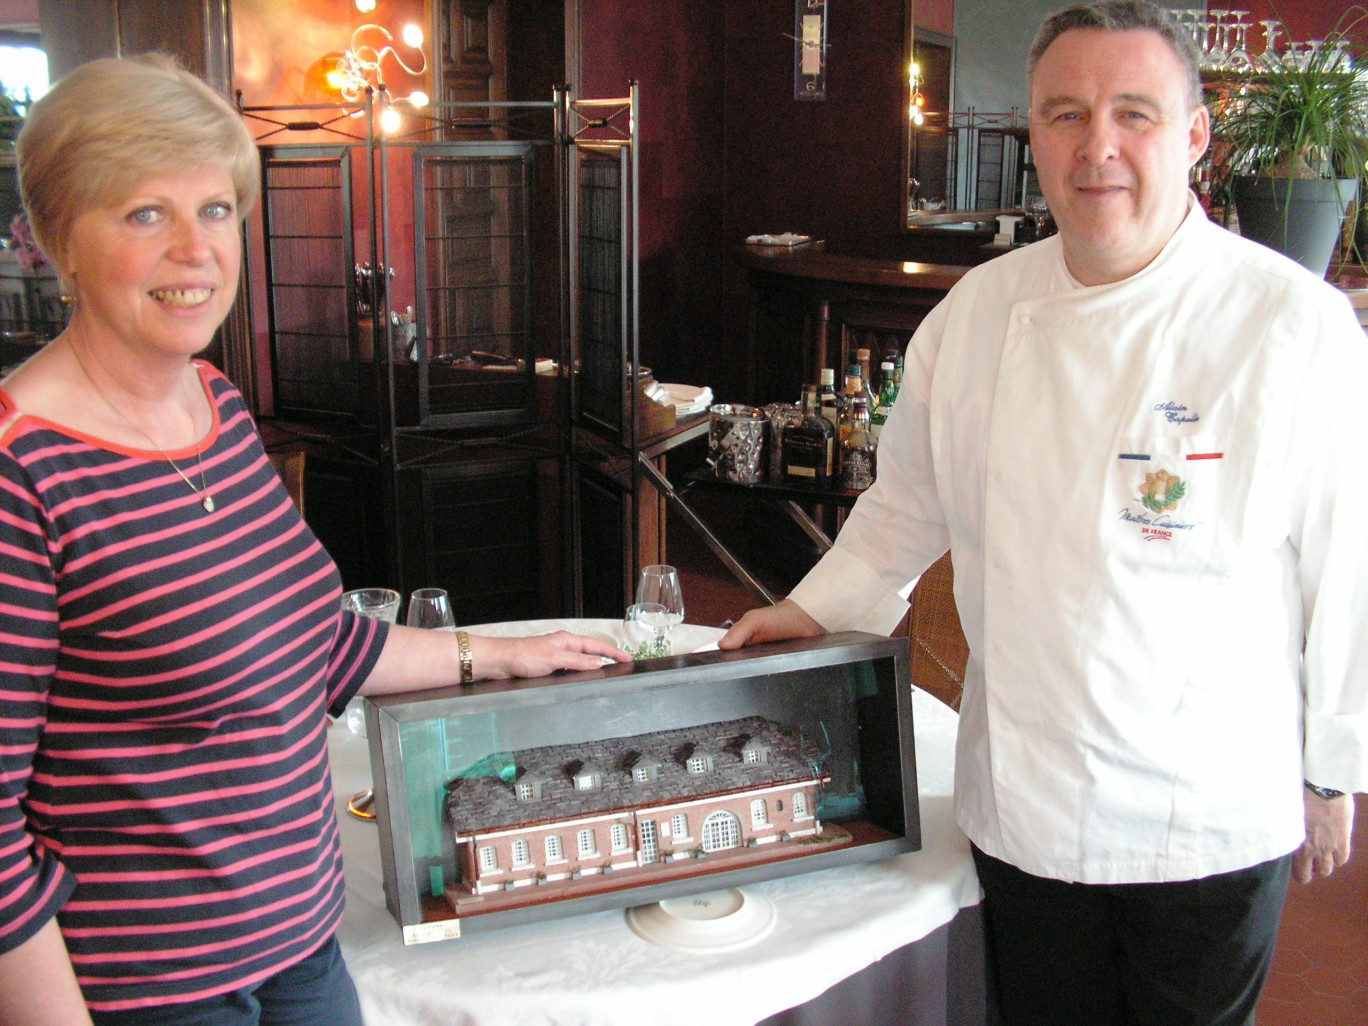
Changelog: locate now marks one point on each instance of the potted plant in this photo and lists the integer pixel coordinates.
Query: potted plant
(1292, 140)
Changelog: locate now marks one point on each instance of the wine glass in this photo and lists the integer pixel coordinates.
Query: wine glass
(430, 609)
(660, 583)
(378, 604)
(645, 630)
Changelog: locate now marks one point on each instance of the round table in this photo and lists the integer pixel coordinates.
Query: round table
(592, 970)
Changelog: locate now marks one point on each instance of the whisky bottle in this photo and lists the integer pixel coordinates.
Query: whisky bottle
(810, 444)
(858, 452)
(829, 401)
(851, 391)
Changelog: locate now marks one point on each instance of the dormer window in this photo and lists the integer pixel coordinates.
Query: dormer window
(644, 769)
(698, 764)
(586, 780)
(529, 788)
(754, 752)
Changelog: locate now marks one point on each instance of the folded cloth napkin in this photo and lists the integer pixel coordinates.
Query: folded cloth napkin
(782, 239)
(685, 399)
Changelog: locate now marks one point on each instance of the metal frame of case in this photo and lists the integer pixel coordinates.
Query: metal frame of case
(395, 415)
(874, 746)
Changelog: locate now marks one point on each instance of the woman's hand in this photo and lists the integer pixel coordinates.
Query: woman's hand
(414, 659)
(771, 623)
(501, 658)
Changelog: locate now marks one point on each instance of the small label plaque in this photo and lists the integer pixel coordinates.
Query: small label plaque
(426, 933)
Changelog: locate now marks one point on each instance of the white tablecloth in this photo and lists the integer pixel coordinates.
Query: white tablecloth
(592, 970)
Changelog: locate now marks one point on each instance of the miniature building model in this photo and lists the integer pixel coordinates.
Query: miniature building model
(564, 811)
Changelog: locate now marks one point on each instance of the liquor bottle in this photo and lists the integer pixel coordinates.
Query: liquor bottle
(862, 358)
(809, 455)
(896, 356)
(830, 403)
(858, 453)
(888, 392)
(849, 393)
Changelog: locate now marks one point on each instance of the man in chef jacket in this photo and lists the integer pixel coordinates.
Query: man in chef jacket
(1142, 441)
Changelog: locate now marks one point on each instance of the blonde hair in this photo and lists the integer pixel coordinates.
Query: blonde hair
(111, 124)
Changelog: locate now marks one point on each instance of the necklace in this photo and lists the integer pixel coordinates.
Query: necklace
(206, 500)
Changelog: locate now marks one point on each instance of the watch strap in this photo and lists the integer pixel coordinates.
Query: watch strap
(1327, 793)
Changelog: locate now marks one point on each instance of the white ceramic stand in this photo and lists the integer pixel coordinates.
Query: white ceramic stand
(713, 921)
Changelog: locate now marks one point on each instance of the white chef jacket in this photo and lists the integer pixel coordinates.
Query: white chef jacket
(1154, 494)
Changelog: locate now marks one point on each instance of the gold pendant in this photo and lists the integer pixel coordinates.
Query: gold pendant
(208, 503)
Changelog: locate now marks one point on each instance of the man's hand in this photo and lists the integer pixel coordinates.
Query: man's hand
(1329, 824)
(771, 623)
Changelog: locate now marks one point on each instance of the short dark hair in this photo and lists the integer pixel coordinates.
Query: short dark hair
(1124, 16)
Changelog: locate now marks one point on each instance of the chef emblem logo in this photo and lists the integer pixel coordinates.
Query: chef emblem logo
(1161, 491)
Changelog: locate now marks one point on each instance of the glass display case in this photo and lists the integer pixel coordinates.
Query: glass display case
(517, 801)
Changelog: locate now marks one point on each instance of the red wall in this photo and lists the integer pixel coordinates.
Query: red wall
(673, 50)
(1306, 19)
(936, 15)
(727, 151)
(18, 12)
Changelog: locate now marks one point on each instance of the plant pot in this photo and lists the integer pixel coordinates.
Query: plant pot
(1307, 227)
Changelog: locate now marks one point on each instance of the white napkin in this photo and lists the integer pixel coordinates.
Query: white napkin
(782, 239)
(685, 399)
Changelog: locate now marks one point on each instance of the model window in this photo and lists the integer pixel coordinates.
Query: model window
(752, 755)
(800, 806)
(650, 850)
(555, 852)
(642, 774)
(585, 842)
(525, 792)
(697, 764)
(521, 856)
(489, 858)
(586, 781)
(618, 836)
(759, 814)
(679, 825)
(721, 831)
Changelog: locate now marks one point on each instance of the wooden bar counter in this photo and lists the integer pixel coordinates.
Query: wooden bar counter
(812, 309)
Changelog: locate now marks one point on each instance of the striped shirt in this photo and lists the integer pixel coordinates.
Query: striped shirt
(164, 677)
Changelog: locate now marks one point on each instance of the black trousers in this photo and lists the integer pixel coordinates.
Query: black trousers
(1190, 953)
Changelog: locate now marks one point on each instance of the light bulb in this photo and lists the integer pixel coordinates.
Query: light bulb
(365, 6)
(413, 36)
(390, 121)
(418, 98)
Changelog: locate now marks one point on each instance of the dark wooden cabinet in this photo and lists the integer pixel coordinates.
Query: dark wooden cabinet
(812, 309)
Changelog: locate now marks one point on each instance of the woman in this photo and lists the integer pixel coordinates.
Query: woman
(171, 626)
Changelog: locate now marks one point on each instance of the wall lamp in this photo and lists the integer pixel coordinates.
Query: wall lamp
(362, 65)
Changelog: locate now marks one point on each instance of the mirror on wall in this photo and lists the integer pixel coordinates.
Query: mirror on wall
(970, 150)
(31, 310)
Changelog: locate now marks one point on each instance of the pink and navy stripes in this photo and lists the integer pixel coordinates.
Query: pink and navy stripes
(164, 677)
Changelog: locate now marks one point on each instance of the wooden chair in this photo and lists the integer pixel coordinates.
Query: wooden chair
(290, 467)
(939, 651)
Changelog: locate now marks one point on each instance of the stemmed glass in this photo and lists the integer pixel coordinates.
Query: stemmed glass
(430, 609)
(660, 583)
(379, 604)
(645, 632)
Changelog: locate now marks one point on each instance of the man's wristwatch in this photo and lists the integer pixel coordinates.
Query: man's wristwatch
(1323, 792)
